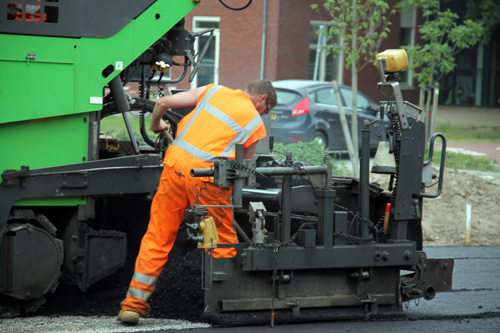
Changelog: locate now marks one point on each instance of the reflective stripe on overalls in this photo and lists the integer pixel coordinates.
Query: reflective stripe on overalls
(145, 279)
(242, 133)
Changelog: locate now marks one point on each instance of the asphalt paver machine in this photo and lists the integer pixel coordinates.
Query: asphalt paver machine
(63, 65)
(323, 247)
(320, 247)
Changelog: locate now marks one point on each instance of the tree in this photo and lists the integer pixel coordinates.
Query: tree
(360, 26)
(485, 11)
(443, 38)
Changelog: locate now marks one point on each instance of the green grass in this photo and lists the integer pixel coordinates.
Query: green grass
(460, 133)
(456, 133)
(465, 162)
(114, 126)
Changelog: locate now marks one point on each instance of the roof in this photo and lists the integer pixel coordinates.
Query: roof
(298, 84)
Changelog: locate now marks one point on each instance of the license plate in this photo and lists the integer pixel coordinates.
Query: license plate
(274, 116)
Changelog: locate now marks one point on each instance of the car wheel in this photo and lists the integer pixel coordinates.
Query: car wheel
(320, 138)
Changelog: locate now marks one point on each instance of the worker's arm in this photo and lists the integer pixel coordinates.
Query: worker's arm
(250, 151)
(182, 99)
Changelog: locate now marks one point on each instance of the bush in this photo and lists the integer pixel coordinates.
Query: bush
(310, 153)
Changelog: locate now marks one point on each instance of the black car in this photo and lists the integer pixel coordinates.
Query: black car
(307, 111)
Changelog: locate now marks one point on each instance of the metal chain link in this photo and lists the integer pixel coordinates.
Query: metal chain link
(201, 189)
(369, 300)
(356, 216)
(275, 246)
(371, 225)
(240, 166)
(298, 167)
(353, 238)
(274, 278)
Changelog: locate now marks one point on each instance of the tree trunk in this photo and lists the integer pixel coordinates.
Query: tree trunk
(354, 121)
(345, 126)
(354, 77)
(428, 112)
(435, 97)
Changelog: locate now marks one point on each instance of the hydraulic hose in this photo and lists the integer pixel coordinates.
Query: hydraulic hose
(142, 127)
(234, 8)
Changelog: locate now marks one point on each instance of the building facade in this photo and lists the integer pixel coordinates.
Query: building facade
(476, 78)
(278, 39)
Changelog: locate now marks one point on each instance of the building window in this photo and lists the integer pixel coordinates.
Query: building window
(322, 66)
(407, 38)
(209, 67)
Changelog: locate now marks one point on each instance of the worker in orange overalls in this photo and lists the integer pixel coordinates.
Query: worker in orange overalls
(32, 12)
(222, 118)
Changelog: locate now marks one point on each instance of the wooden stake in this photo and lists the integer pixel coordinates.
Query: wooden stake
(386, 217)
(468, 225)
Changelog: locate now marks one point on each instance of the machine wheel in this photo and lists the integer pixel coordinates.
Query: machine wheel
(31, 258)
(320, 138)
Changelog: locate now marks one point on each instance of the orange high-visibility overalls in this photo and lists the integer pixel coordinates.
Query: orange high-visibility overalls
(222, 118)
(32, 12)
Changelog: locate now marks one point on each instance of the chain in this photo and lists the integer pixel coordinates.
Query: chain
(416, 301)
(353, 238)
(274, 278)
(161, 93)
(396, 126)
(368, 301)
(371, 225)
(298, 167)
(201, 190)
(356, 216)
(240, 166)
(275, 246)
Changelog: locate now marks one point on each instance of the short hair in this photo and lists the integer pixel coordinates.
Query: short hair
(260, 87)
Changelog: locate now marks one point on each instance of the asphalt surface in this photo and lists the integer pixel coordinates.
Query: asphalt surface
(476, 285)
(472, 306)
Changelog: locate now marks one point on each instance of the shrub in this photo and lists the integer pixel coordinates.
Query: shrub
(310, 153)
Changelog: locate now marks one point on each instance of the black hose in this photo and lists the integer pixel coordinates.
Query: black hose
(142, 127)
(234, 8)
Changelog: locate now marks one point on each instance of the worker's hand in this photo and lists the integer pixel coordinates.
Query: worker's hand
(159, 126)
(165, 103)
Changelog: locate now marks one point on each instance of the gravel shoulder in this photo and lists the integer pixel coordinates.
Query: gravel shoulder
(468, 198)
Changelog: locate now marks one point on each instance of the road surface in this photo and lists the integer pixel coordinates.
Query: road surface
(472, 306)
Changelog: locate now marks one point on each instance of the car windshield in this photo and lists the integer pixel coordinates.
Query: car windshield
(362, 102)
(323, 96)
(286, 97)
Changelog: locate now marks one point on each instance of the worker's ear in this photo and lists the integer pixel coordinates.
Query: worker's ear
(254, 99)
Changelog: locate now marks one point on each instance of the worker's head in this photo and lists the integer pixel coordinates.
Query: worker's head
(262, 94)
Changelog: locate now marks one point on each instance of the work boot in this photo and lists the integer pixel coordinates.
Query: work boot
(128, 317)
